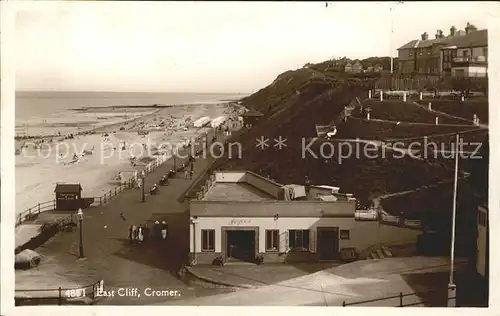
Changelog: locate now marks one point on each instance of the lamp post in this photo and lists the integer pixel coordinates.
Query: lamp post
(80, 220)
(143, 177)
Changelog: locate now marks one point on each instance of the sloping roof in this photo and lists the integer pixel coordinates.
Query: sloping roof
(252, 112)
(477, 38)
(410, 44)
(68, 188)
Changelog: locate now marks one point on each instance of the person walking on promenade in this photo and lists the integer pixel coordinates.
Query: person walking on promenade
(130, 232)
(186, 174)
(164, 230)
(140, 234)
(191, 173)
(134, 233)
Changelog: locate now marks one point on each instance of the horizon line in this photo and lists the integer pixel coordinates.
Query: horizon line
(129, 91)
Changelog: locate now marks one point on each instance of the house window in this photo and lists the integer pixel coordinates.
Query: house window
(485, 51)
(272, 240)
(459, 72)
(299, 240)
(481, 218)
(208, 240)
(345, 234)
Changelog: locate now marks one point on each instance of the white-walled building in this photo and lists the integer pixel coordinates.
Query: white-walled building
(241, 215)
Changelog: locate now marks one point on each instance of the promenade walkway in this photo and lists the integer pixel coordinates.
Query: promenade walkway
(110, 256)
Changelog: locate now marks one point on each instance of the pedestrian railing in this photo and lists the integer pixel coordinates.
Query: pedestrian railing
(33, 213)
(58, 296)
(434, 297)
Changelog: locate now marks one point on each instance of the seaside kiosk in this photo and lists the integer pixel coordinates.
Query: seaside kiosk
(68, 196)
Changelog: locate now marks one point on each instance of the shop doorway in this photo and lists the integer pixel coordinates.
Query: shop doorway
(240, 245)
(328, 243)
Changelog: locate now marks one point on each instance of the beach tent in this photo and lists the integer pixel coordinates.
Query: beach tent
(27, 259)
(201, 121)
(218, 121)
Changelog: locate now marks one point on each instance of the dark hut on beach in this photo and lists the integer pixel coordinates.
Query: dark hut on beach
(68, 196)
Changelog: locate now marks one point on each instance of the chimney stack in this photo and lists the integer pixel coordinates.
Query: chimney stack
(470, 28)
(440, 34)
(425, 36)
(453, 29)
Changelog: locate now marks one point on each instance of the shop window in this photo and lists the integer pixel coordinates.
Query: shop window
(208, 240)
(298, 240)
(481, 218)
(345, 234)
(272, 240)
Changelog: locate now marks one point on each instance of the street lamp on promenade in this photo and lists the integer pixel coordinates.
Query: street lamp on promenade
(80, 221)
(143, 178)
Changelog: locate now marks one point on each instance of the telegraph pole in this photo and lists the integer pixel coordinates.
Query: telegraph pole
(452, 288)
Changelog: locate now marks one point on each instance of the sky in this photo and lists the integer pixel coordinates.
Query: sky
(232, 47)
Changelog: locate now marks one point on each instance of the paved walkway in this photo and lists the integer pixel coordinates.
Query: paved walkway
(109, 255)
(353, 282)
(251, 275)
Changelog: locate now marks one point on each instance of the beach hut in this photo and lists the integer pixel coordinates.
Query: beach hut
(68, 196)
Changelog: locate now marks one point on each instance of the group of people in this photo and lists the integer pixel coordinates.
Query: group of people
(143, 233)
(189, 171)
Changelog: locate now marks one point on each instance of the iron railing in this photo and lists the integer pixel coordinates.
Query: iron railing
(412, 299)
(57, 296)
(32, 213)
(465, 59)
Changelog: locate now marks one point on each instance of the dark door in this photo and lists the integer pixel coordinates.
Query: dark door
(240, 245)
(328, 241)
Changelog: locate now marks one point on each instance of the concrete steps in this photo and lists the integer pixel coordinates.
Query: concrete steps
(380, 253)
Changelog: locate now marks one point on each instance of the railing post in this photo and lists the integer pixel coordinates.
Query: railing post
(38, 208)
(400, 299)
(60, 296)
(343, 303)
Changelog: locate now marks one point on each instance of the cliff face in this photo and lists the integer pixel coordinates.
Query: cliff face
(292, 105)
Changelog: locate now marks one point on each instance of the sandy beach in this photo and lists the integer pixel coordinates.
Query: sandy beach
(94, 160)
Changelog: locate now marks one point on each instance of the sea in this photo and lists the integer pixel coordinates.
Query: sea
(43, 104)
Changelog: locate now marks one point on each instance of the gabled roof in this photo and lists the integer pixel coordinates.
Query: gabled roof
(476, 38)
(410, 44)
(68, 188)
